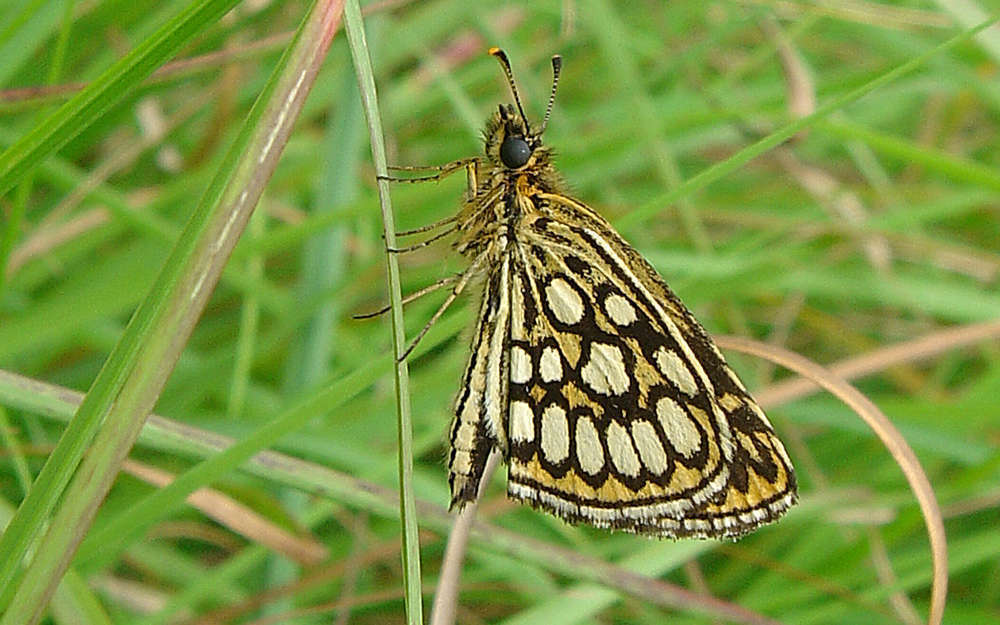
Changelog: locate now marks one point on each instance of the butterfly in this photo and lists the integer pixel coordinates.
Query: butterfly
(608, 400)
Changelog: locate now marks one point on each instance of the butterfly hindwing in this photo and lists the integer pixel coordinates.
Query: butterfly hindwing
(480, 409)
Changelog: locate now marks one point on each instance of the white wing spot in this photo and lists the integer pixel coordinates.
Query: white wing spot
(461, 463)
(675, 370)
(520, 366)
(464, 435)
(677, 425)
(605, 370)
(522, 422)
(550, 365)
(555, 434)
(650, 449)
(620, 448)
(619, 309)
(588, 446)
(565, 302)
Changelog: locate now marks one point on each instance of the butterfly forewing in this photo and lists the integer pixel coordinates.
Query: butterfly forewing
(622, 413)
(608, 400)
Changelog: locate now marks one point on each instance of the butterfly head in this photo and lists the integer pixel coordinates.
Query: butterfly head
(511, 142)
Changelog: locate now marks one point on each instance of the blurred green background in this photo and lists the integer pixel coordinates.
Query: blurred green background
(878, 225)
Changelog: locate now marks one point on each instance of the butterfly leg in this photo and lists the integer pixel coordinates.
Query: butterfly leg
(472, 182)
(461, 282)
(422, 244)
(442, 170)
(436, 224)
(472, 178)
(471, 166)
(443, 282)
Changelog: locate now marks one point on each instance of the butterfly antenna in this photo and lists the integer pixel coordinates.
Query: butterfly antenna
(556, 67)
(505, 62)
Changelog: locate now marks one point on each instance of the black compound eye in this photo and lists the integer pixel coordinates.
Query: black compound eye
(514, 151)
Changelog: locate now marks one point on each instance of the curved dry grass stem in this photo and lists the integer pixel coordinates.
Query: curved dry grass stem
(878, 360)
(890, 437)
(446, 595)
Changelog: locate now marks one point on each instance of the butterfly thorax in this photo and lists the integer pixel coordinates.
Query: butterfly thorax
(516, 170)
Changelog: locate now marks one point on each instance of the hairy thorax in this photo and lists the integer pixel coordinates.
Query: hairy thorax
(505, 199)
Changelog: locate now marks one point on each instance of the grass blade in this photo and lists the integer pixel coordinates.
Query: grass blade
(135, 373)
(107, 90)
(407, 504)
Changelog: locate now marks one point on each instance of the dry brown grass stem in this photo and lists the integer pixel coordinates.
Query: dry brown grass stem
(890, 437)
(918, 349)
(446, 595)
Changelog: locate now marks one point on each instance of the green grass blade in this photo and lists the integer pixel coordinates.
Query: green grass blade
(108, 89)
(134, 374)
(407, 504)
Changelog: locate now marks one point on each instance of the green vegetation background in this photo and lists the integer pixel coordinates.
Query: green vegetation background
(879, 225)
